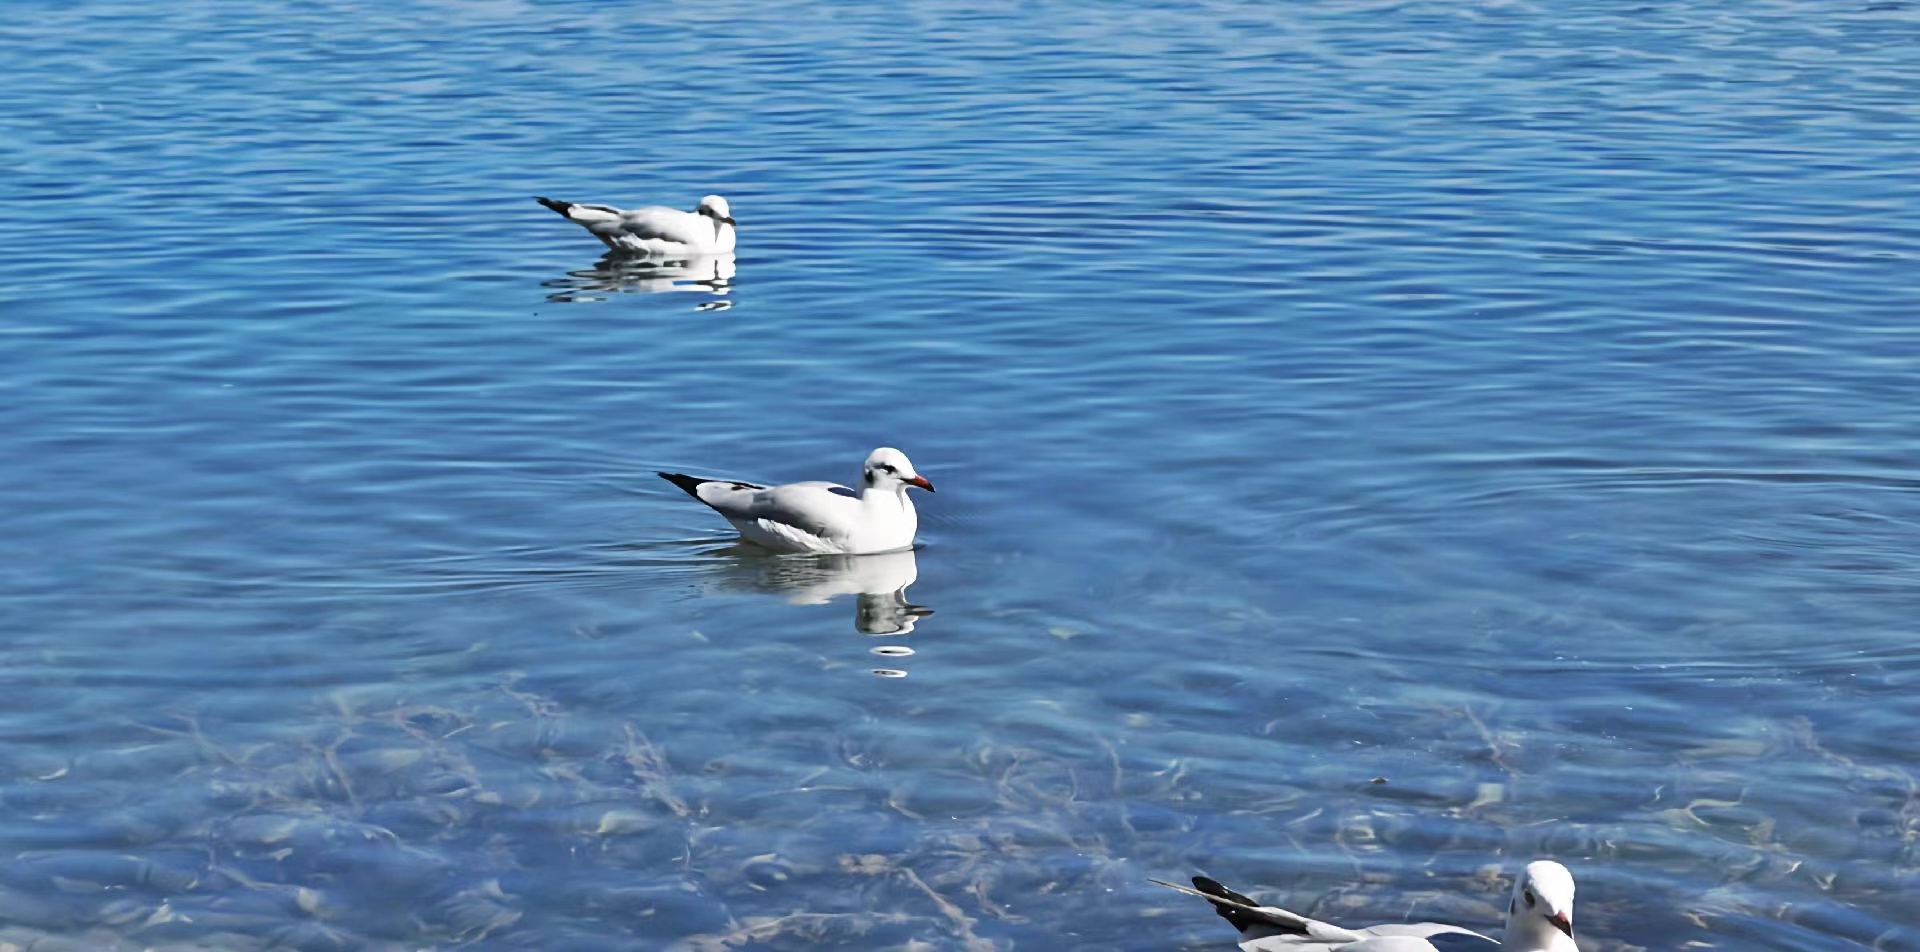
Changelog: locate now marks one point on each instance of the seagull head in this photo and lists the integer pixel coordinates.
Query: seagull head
(1541, 916)
(714, 207)
(889, 469)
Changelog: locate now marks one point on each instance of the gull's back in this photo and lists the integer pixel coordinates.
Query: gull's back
(809, 516)
(660, 223)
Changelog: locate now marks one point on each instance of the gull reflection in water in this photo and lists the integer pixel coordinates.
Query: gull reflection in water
(878, 584)
(711, 275)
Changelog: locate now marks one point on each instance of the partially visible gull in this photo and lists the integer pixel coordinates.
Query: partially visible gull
(1539, 919)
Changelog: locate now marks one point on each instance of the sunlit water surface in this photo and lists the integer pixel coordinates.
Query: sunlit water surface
(1377, 443)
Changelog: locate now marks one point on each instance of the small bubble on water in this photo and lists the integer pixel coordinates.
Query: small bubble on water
(889, 673)
(893, 651)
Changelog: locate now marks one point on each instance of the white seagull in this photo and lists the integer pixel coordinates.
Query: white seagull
(655, 229)
(820, 517)
(1540, 919)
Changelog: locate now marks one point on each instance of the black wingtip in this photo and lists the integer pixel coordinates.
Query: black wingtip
(560, 207)
(1238, 918)
(1212, 887)
(688, 484)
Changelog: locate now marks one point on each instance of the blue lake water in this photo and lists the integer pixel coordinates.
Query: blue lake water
(1378, 443)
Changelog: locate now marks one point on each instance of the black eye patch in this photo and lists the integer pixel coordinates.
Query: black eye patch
(1529, 895)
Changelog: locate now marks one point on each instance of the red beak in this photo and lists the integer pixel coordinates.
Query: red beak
(920, 481)
(1563, 922)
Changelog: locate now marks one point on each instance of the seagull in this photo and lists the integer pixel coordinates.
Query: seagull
(819, 517)
(655, 229)
(1539, 919)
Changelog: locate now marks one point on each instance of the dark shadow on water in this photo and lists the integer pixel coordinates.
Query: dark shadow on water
(708, 275)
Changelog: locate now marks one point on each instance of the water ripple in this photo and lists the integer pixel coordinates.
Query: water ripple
(1509, 404)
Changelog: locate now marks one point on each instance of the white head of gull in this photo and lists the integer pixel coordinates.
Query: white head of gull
(1540, 919)
(655, 230)
(821, 517)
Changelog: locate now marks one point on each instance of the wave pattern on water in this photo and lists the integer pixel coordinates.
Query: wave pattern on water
(1509, 402)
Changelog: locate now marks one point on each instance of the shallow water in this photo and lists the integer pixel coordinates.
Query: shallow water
(1378, 443)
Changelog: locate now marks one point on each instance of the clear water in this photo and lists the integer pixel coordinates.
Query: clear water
(1515, 403)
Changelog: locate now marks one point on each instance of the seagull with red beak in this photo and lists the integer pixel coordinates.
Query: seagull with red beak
(819, 517)
(1539, 920)
(1541, 914)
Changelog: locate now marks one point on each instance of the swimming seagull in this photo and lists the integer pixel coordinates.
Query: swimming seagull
(655, 229)
(820, 517)
(1540, 919)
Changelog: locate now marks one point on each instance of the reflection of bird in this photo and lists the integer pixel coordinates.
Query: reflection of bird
(886, 613)
(820, 517)
(652, 274)
(877, 582)
(655, 229)
(1540, 919)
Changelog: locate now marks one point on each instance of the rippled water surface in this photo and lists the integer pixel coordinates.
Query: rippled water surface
(1377, 443)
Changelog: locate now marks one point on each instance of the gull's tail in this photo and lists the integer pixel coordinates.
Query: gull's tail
(1243, 913)
(688, 484)
(584, 214)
